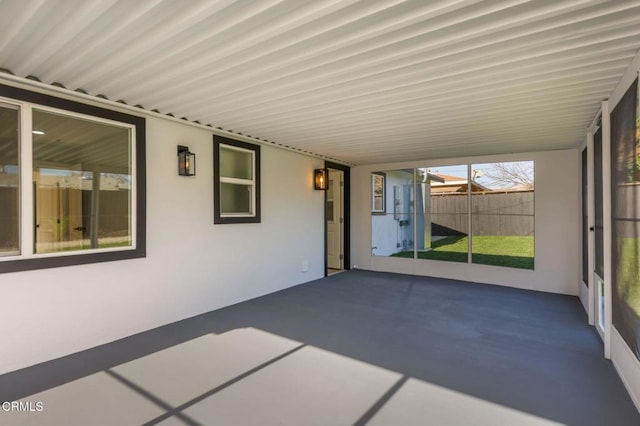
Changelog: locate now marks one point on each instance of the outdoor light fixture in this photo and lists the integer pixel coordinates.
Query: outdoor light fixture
(186, 161)
(320, 179)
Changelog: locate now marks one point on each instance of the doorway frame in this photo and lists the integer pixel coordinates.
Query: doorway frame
(598, 285)
(346, 206)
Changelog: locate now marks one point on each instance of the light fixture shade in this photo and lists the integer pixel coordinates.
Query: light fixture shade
(186, 161)
(320, 180)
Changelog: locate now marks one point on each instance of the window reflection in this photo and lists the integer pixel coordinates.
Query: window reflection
(9, 181)
(82, 183)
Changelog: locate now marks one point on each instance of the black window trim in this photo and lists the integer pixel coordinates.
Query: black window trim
(217, 217)
(36, 98)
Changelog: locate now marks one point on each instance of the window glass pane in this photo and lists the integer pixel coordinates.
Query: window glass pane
(377, 193)
(236, 181)
(442, 208)
(235, 198)
(502, 214)
(9, 181)
(236, 164)
(330, 206)
(625, 210)
(392, 233)
(82, 183)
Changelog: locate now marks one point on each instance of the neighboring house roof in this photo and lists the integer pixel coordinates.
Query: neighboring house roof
(435, 178)
(521, 187)
(451, 183)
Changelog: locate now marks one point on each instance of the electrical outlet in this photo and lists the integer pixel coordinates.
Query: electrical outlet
(305, 265)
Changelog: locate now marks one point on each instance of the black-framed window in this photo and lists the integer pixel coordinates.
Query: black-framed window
(236, 181)
(378, 193)
(79, 181)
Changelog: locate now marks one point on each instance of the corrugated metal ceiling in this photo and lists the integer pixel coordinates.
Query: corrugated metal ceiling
(361, 81)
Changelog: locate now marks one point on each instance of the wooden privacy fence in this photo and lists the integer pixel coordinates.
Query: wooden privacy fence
(64, 214)
(9, 221)
(492, 213)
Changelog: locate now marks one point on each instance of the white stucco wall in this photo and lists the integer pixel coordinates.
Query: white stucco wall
(557, 230)
(192, 266)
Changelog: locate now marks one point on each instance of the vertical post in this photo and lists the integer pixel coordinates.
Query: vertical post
(95, 207)
(27, 185)
(325, 227)
(591, 243)
(606, 197)
(469, 221)
(415, 214)
(341, 217)
(426, 197)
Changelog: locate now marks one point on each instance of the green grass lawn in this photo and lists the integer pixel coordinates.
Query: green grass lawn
(510, 251)
(628, 271)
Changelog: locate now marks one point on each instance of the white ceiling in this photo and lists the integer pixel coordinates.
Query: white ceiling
(360, 81)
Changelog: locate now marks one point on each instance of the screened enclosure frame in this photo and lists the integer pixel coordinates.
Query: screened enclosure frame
(625, 217)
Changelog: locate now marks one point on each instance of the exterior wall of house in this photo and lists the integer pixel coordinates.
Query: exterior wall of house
(557, 232)
(393, 231)
(387, 232)
(192, 266)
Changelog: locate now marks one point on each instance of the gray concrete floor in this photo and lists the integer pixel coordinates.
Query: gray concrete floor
(354, 348)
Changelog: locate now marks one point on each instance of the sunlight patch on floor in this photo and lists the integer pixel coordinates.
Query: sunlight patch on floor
(417, 400)
(248, 376)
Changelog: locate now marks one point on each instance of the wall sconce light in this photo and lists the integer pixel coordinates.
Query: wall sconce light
(186, 161)
(320, 180)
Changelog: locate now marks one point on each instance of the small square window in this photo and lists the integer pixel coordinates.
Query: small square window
(236, 181)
